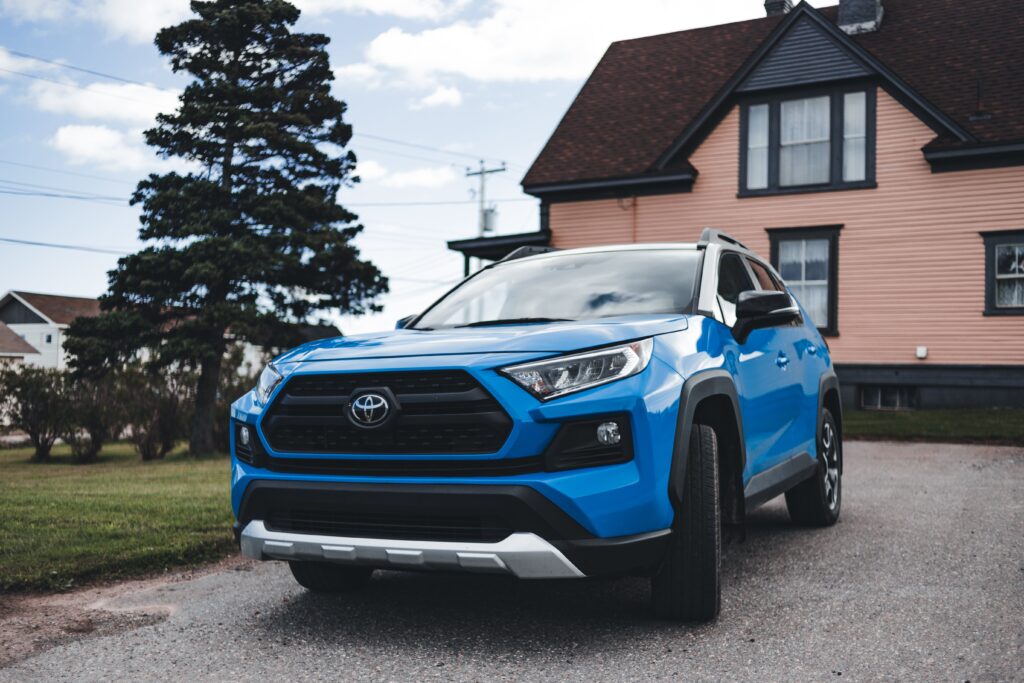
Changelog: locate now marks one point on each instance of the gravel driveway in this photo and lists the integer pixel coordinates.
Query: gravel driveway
(922, 579)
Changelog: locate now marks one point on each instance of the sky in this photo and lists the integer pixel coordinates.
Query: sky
(433, 87)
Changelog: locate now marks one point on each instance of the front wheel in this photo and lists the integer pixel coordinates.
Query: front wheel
(686, 584)
(816, 502)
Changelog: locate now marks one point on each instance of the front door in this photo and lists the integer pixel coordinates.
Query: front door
(764, 381)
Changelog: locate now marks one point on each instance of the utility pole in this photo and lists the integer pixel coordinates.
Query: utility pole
(485, 211)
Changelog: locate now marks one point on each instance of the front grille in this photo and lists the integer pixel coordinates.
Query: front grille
(441, 412)
(390, 525)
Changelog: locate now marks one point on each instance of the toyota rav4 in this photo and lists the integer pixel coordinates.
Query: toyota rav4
(558, 414)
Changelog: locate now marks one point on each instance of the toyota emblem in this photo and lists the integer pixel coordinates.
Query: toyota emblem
(369, 410)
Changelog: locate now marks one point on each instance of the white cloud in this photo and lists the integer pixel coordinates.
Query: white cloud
(370, 171)
(427, 177)
(132, 19)
(430, 177)
(35, 10)
(358, 74)
(139, 20)
(443, 95)
(105, 148)
(406, 9)
(125, 102)
(537, 40)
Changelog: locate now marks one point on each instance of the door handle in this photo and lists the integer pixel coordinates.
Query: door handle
(782, 360)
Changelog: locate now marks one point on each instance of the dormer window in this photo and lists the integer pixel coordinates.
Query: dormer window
(821, 141)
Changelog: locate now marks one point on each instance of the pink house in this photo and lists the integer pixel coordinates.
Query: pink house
(875, 150)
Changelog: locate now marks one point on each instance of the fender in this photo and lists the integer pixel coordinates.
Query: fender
(697, 388)
(826, 383)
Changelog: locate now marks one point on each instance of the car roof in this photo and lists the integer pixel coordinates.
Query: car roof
(649, 246)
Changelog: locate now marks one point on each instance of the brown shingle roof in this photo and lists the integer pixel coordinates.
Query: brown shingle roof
(644, 92)
(11, 342)
(61, 309)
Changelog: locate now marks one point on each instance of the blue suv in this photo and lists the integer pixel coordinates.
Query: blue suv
(559, 414)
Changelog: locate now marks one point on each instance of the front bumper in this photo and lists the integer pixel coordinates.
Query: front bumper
(524, 555)
(400, 527)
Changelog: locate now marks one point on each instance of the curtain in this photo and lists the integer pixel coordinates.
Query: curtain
(854, 136)
(757, 147)
(804, 156)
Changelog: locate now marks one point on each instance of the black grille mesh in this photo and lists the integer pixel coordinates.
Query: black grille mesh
(441, 412)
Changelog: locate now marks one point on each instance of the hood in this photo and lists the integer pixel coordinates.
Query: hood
(561, 337)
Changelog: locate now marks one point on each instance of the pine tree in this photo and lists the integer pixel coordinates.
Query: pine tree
(251, 236)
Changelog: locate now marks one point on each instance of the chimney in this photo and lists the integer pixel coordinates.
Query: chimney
(860, 16)
(776, 7)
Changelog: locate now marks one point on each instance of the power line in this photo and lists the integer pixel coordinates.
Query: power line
(70, 247)
(122, 79)
(58, 195)
(57, 170)
(74, 86)
(439, 203)
(101, 250)
(65, 65)
(416, 145)
(435, 160)
(61, 189)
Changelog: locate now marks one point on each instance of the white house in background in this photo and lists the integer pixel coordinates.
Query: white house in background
(41, 320)
(13, 349)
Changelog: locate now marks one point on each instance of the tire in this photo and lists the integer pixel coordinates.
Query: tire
(818, 500)
(686, 585)
(324, 577)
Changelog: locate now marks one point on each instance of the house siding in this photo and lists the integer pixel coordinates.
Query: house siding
(911, 259)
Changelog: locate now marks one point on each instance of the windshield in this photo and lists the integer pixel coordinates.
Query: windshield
(571, 287)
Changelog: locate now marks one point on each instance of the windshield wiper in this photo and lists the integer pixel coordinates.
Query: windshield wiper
(514, 321)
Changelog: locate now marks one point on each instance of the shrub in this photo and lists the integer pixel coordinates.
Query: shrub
(35, 400)
(156, 408)
(95, 415)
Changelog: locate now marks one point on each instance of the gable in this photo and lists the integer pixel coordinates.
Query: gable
(13, 312)
(804, 55)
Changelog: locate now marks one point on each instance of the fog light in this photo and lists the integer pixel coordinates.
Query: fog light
(608, 433)
(243, 436)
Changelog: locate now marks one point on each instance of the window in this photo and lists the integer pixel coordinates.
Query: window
(584, 286)
(1004, 272)
(888, 397)
(855, 136)
(757, 147)
(804, 147)
(49, 339)
(732, 281)
(807, 260)
(823, 141)
(765, 280)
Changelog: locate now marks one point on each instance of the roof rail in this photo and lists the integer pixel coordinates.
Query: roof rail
(523, 252)
(711, 235)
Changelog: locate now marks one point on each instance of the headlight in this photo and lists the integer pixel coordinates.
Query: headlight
(555, 377)
(269, 379)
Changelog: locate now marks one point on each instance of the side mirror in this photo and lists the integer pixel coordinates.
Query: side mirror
(756, 309)
(404, 322)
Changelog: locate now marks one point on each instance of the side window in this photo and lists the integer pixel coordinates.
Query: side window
(1004, 272)
(732, 280)
(764, 278)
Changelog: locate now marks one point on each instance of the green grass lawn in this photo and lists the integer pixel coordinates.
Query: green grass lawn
(63, 524)
(961, 426)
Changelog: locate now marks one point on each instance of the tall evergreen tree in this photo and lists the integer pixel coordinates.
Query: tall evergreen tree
(251, 237)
